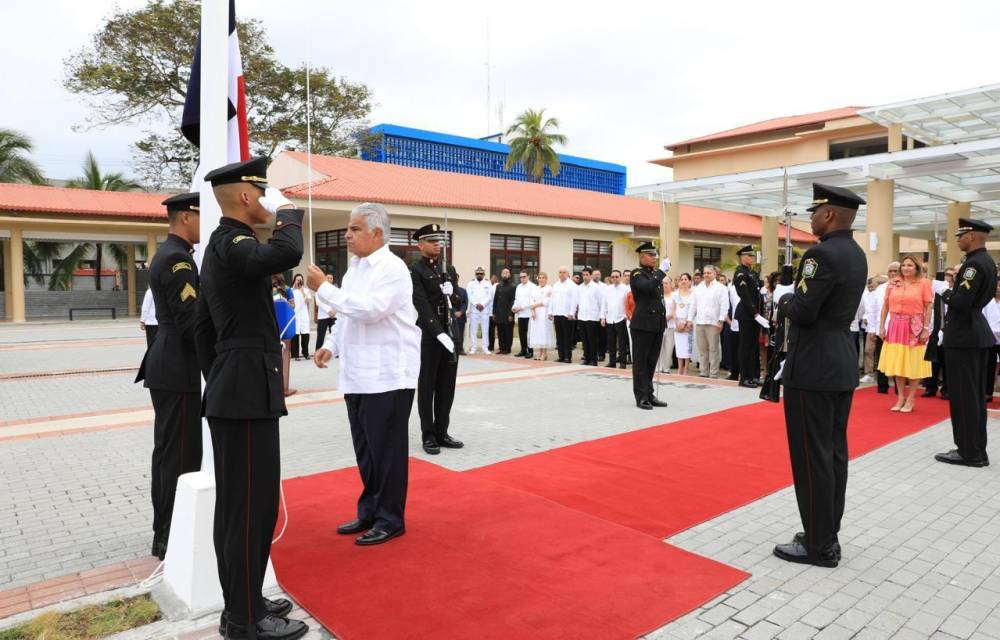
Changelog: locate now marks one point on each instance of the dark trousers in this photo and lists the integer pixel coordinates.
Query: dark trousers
(151, 330)
(749, 349)
(522, 336)
(645, 352)
(991, 372)
(816, 422)
(176, 450)
(381, 446)
(458, 328)
(602, 342)
(589, 330)
(730, 347)
(881, 378)
(435, 389)
(322, 326)
(247, 487)
(617, 343)
(303, 340)
(966, 375)
(505, 336)
(938, 379)
(564, 336)
(493, 334)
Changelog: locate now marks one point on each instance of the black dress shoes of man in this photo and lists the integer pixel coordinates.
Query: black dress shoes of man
(749, 384)
(733, 376)
(795, 552)
(278, 608)
(377, 536)
(800, 538)
(450, 443)
(645, 404)
(623, 366)
(431, 447)
(954, 457)
(354, 526)
(657, 403)
(159, 548)
(270, 628)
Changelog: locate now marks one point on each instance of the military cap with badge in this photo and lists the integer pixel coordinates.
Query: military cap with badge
(835, 197)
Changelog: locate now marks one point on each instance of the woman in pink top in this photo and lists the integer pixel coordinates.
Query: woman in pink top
(908, 304)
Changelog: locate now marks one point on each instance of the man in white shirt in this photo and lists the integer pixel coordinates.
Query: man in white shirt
(875, 320)
(325, 316)
(614, 320)
(589, 309)
(596, 279)
(378, 342)
(522, 311)
(709, 308)
(563, 314)
(480, 292)
(147, 317)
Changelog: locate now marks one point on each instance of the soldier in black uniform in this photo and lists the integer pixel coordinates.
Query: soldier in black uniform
(967, 345)
(821, 372)
(170, 366)
(432, 292)
(240, 356)
(649, 319)
(747, 284)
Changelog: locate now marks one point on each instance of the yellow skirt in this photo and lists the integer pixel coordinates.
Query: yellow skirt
(903, 361)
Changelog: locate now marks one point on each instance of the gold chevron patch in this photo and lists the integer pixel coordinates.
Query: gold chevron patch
(188, 292)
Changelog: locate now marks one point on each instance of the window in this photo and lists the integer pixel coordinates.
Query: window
(706, 255)
(402, 244)
(517, 253)
(595, 254)
(331, 252)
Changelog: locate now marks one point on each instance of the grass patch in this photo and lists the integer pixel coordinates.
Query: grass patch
(88, 623)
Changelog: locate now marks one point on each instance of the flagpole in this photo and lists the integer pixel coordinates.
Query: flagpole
(309, 185)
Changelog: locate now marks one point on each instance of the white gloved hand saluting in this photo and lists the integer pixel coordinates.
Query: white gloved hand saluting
(782, 289)
(665, 265)
(273, 199)
(447, 289)
(446, 340)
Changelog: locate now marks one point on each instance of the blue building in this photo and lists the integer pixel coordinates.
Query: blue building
(443, 152)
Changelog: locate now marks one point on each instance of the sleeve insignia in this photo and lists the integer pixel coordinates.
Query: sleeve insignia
(809, 268)
(803, 287)
(969, 273)
(239, 239)
(188, 292)
(180, 266)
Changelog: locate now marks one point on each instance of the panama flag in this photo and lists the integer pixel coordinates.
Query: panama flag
(238, 142)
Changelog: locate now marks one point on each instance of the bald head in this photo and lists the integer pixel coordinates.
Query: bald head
(241, 201)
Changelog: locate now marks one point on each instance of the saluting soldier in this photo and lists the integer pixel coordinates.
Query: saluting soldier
(649, 319)
(240, 356)
(747, 285)
(170, 367)
(432, 291)
(967, 343)
(821, 372)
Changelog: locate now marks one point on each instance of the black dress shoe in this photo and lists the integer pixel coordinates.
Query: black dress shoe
(657, 403)
(355, 526)
(944, 395)
(928, 393)
(645, 404)
(954, 457)
(623, 366)
(800, 538)
(431, 447)
(749, 384)
(733, 376)
(278, 608)
(377, 536)
(883, 391)
(795, 552)
(450, 443)
(592, 364)
(270, 628)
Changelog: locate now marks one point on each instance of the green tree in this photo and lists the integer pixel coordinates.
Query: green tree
(531, 139)
(15, 166)
(136, 69)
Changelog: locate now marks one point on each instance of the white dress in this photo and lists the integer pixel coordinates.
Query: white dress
(303, 299)
(541, 334)
(682, 311)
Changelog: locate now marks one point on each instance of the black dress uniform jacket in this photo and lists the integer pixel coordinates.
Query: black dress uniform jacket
(829, 284)
(747, 285)
(965, 326)
(171, 363)
(429, 300)
(647, 291)
(237, 334)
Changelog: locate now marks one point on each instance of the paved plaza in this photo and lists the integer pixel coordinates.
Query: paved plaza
(921, 540)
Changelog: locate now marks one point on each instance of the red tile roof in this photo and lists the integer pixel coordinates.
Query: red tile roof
(362, 181)
(31, 198)
(774, 124)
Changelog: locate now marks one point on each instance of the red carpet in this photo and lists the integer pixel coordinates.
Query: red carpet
(480, 560)
(665, 479)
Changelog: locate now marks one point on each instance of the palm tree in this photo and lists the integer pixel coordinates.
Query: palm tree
(14, 165)
(531, 139)
(94, 179)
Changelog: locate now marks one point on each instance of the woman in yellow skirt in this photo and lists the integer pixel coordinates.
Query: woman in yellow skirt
(907, 304)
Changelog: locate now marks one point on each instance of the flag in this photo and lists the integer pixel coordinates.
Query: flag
(238, 141)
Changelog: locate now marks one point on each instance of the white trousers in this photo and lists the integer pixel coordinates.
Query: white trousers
(480, 320)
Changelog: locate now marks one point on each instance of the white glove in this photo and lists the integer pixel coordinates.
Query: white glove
(940, 337)
(762, 321)
(447, 289)
(446, 340)
(939, 286)
(665, 265)
(273, 199)
(782, 289)
(781, 369)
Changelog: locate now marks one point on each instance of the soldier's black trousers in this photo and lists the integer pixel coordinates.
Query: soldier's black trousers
(645, 352)
(176, 450)
(247, 486)
(966, 375)
(435, 389)
(564, 336)
(749, 349)
(816, 422)
(617, 343)
(381, 445)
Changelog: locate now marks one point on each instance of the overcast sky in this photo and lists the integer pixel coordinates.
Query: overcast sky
(624, 78)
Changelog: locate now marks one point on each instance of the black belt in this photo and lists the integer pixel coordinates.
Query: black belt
(255, 344)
